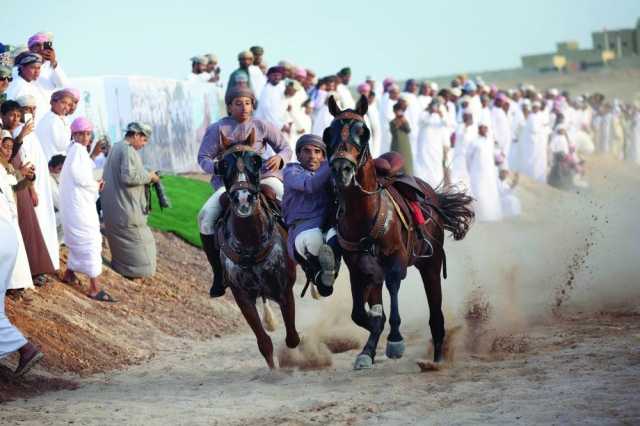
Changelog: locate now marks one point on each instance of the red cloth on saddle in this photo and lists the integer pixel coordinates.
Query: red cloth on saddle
(416, 212)
(389, 164)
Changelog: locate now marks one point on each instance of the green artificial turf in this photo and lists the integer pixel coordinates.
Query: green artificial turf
(187, 197)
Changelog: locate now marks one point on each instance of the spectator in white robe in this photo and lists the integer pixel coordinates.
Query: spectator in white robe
(516, 123)
(433, 142)
(389, 99)
(257, 70)
(413, 112)
(485, 113)
(297, 118)
(52, 77)
(342, 87)
(272, 105)
(425, 95)
(451, 96)
(322, 118)
(634, 154)
(533, 146)
(583, 119)
(21, 277)
(511, 205)
(376, 88)
(466, 133)
(372, 118)
(198, 73)
(501, 127)
(53, 130)
(55, 167)
(31, 152)
(469, 89)
(24, 83)
(79, 192)
(11, 340)
(484, 176)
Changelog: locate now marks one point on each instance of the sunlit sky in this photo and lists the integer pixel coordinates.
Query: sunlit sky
(399, 38)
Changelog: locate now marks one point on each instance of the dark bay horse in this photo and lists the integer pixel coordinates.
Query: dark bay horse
(378, 243)
(253, 248)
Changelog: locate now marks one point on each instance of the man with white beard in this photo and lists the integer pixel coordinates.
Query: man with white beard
(501, 127)
(433, 142)
(389, 99)
(533, 146)
(272, 106)
(484, 177)
(342, 88)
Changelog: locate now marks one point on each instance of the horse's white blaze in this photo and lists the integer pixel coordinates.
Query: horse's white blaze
(244, 206)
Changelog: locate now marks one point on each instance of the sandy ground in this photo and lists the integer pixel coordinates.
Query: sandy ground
(543, 327)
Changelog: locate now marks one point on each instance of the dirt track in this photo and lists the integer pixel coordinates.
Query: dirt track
(579, 370)
(542, 316)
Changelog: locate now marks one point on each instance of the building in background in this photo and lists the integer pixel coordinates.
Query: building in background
(608, 46)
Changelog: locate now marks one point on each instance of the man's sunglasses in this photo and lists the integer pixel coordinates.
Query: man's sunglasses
(9, 79)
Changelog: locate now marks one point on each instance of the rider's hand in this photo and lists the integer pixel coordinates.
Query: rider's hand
(273, 164)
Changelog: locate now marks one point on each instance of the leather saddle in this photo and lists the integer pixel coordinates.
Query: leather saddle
(403, 188)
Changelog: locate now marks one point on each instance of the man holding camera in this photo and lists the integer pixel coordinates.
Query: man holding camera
(125, 207)
(51, 75)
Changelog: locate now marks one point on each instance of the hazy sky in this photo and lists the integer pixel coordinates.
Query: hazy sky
(400, 38)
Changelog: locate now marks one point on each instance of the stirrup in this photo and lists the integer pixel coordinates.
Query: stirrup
(425, 240)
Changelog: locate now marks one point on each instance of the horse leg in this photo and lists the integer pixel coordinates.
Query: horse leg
(430, 272)
(288, 308)
(250, 313)
(375, 321)
(395, 342)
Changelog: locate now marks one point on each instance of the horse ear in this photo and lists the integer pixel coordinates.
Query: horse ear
(225, 142)
(251, 139)
(362, 106)
(333, 106)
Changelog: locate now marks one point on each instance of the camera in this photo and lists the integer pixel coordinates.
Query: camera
(163, 199)
(47, 45)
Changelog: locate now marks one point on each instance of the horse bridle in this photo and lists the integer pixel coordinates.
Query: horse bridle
(341, 152)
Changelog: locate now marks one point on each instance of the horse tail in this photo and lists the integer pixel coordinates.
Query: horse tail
(454, 206)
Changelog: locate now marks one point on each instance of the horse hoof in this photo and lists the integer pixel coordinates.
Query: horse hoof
(395, 350)
(437, 353)
(363, 362)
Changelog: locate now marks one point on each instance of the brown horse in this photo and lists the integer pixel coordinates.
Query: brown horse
(379, 243)
(253, 248)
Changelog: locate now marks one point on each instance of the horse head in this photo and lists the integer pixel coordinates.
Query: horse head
(240, 169)
(347, 140)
